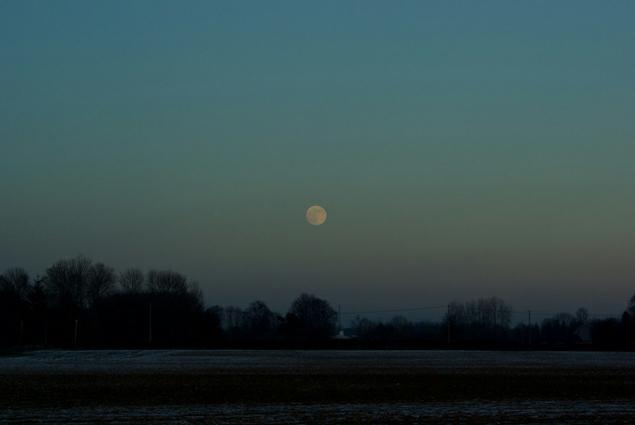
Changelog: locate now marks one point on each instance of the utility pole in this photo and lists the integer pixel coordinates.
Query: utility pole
(339, 316)
(150, 324)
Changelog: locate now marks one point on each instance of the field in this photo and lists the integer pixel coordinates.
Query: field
(180, 386)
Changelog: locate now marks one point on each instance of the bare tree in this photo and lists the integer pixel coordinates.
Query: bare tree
(17, 281)
(582, 315)
(259, 319)
(101, 282)
(564, 319)
(131, 280)
(399, 322)
(630, 308)
(486, 312)
(484, 318)
(314, 316)
(166, 281)
(196, 292)
(502, 312)
(362, 326)
(67, 281)
(233, 318)
(456, 314)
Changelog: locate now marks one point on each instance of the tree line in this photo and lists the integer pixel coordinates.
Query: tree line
(81, 303)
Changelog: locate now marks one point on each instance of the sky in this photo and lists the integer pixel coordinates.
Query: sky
(462, 149)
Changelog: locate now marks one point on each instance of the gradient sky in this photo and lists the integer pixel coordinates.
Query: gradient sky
(462, 149)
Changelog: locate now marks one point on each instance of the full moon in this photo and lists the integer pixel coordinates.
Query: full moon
(316, 215)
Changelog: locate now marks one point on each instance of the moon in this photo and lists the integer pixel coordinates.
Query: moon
(316, 215)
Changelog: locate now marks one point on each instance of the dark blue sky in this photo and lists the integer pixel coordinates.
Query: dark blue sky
(461, 149)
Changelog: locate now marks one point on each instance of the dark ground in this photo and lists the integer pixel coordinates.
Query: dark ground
(318, 387)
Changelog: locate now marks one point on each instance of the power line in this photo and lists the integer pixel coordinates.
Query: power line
(543, 313)
(521, 312)
(395, 310)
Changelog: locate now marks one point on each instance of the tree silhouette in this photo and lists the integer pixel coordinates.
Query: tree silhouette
(67, 282)
(484, 319)
(77, 303)
(16, 280)
(131, 280)
(311, 317)
(166, 281)
(260, 321)
(101, 282)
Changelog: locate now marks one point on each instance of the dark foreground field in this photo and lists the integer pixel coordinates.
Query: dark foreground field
(317, 387)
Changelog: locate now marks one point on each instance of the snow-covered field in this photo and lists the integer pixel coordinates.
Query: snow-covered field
(184, 361)
(534, 412)
(325, 387)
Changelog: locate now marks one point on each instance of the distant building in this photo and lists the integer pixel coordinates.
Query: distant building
(342, 335)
